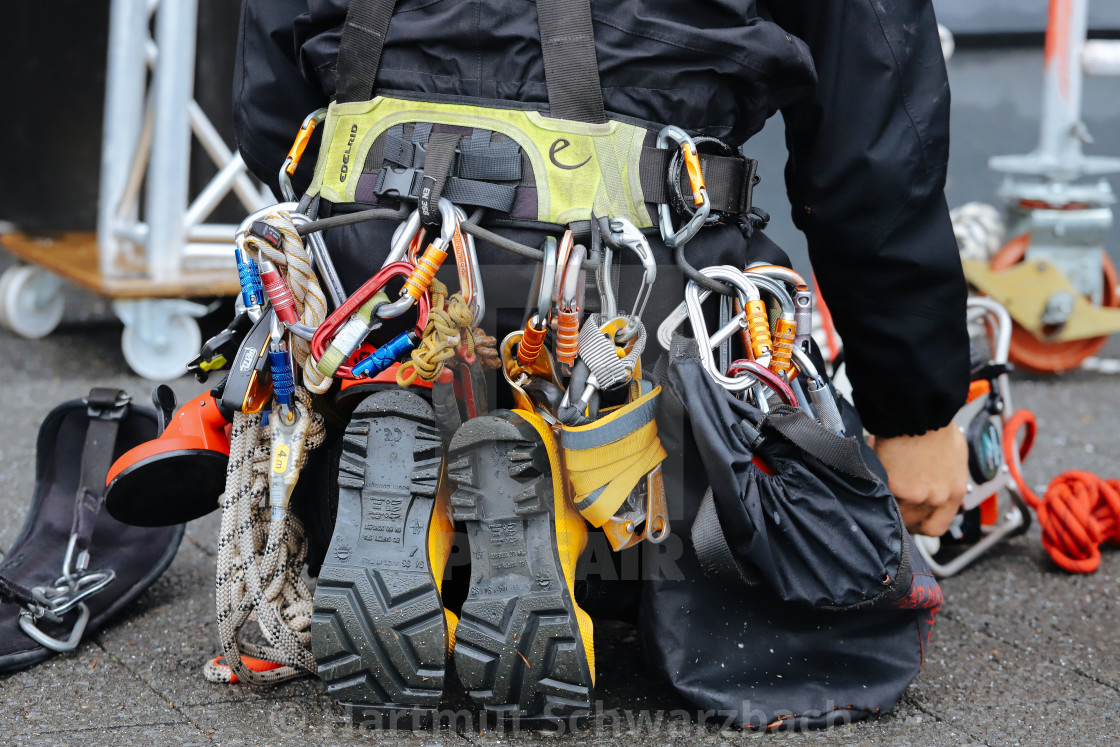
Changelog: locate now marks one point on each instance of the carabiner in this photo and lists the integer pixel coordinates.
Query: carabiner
(694, 296)
(679, 237)
(820, 395)
(617, 234)
(426, 268)
(802, 299)
(784, 337)
(466, 262)
(570, 306)
(536, 328)
(288, 169)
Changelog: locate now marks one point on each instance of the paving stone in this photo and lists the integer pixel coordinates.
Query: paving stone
(85, 689)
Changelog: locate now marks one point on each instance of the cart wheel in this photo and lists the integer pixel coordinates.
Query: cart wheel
(31, 301)
(1029, 352)
(165, 358)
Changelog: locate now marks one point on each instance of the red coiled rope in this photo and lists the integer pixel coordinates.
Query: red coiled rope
(1080, 511)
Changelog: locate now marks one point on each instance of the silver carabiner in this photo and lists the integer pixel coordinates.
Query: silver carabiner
(694, 296)
(679, 237)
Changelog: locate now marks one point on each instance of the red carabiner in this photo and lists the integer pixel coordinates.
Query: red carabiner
(369, 289)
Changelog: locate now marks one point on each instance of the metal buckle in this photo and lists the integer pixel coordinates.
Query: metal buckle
(679, 237)
(114, 411)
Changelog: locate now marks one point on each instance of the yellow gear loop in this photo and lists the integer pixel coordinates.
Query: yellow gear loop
(449, 326)
(606, 459)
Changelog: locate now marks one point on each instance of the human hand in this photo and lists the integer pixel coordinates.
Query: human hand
(928, 475)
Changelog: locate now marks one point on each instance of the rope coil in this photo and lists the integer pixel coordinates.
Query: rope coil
(1079, 512)
(260, 559)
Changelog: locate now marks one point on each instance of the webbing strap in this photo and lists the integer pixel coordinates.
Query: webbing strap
(712, 550)
(359, 51)
(437, 166)
(567, 45)
(607, 459)
(730, 179)
(571, 69)
(106, 407)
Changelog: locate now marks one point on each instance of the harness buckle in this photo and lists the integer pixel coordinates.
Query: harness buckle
(401, 182)
(674, 237)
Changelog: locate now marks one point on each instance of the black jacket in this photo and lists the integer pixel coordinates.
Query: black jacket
(862, 88)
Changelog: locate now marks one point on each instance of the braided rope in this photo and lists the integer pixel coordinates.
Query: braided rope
(260, 561)
(311, 303)
(450, 324)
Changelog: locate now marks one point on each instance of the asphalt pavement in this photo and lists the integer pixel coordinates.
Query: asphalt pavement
(1022, 653)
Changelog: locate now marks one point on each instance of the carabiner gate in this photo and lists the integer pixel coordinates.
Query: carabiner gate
(679, 237)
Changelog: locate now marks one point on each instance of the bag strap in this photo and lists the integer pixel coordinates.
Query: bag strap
(567, 45)
(840, 453)
(105, 407)
(359, 51)
(712, 550)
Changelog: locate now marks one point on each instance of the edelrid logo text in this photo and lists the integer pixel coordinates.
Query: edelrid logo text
(559, 145)
(346, 153)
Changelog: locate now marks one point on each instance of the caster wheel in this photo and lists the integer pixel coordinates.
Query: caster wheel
(1027, 351)
(31, 303)
(164, 359)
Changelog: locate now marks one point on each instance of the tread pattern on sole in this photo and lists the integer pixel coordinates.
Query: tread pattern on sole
(378, 630)
(518, 650)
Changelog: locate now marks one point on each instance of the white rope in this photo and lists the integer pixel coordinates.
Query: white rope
(260, 560)
(311, 304)
(979, 230)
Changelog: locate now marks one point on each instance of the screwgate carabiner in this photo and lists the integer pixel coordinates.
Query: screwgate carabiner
(427, 266)
(679, 237)
(288, 169)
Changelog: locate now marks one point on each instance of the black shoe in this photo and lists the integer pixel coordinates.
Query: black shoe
(523, 649)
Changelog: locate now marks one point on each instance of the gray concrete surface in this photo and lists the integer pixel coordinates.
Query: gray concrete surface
(1022, 653)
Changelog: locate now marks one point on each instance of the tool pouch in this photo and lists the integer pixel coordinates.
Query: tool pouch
(824, 605)
(73, 566)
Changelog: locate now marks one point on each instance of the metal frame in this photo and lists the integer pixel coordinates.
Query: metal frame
(1014, 517)
(147, 130)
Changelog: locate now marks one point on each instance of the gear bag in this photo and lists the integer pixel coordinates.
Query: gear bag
(812, 605)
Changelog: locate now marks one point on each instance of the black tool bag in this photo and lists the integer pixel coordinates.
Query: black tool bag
(796, 601)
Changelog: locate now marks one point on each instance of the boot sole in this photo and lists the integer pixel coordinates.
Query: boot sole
(378, 629)
(518, 648)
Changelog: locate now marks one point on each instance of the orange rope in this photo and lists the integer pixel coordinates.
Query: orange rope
(1080, 511)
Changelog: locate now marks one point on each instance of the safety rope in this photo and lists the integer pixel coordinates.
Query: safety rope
(261, 558)
(311, 303)
(1079, 512)
(450, 326)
